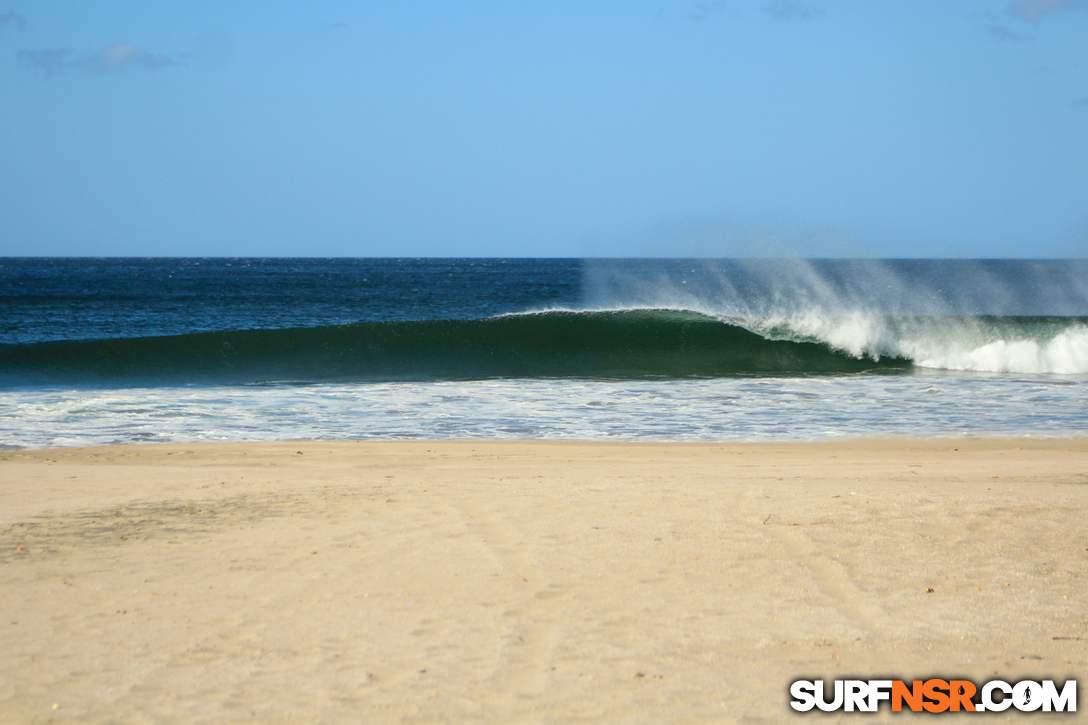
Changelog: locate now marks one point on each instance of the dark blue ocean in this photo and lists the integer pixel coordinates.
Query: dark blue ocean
(119, 350)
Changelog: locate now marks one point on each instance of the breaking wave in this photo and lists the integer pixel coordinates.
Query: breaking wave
(624, 344)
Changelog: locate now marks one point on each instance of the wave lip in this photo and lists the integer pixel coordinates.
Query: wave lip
(635, 343)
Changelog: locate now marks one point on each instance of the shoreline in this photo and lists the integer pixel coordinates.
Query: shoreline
(505, 581)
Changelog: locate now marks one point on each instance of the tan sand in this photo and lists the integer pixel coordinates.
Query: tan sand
(528, 582)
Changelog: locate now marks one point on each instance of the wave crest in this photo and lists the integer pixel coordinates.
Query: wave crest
(591, 344)
(631, 343)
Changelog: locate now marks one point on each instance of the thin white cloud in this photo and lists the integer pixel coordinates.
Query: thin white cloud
(792, 10)
(703, 10)
(13, 20)
(1035, 10)
(1000, 32)
(112, 59)
(121, 57)
(46, 62)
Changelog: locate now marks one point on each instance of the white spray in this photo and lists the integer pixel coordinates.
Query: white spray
(970, 315)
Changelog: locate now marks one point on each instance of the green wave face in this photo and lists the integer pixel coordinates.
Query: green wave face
(616, 344)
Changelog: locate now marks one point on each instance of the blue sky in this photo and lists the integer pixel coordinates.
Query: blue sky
(898, 128)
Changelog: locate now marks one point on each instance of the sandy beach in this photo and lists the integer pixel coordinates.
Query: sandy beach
(528, 582)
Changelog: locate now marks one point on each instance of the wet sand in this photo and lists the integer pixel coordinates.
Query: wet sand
(528, 582)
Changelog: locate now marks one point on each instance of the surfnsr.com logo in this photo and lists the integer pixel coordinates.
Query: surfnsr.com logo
(934, 695)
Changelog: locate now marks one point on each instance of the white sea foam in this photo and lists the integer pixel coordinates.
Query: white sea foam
(721, 409)
(962, 344)
(1065, 354)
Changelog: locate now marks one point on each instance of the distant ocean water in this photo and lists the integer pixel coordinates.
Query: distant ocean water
(99, 351)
